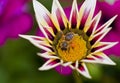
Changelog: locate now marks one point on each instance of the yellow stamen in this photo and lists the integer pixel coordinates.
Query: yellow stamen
(72, 50)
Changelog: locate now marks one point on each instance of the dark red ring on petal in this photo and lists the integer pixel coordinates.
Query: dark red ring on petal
(89, 32)
(81, 68)
(90, 58)
(48, 47)
(95, 39)
(99, 57)
(54, 62)
(83, 20)
(74, 19)
(97, 48)
(51, 37)
(73, 64)
(50, 23)
(60, 20)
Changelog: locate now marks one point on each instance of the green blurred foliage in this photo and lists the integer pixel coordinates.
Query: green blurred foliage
(19, 63)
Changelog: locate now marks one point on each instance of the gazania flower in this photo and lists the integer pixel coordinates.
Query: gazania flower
(71, 42)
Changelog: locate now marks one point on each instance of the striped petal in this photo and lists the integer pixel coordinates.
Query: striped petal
(90, 59)
(39, 42)
(52, 63)
(43, 17)
(94, 24)
(48, 55)
(82, 69)
(59, 16)
(86, 13)
(101, 46)
(100, 58)
(103, 59)
(49, 32)
(74, 15)
(101, 32)
(99, 36)
(106, 25)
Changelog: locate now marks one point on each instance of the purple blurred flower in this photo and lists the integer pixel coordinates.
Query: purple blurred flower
(14, 19)
(109, 10)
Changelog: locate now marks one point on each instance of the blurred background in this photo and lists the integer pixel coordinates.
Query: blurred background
(19, 62)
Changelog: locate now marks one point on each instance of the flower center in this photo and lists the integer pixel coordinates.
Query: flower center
(71, 47)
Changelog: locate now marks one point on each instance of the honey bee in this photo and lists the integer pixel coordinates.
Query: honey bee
(69, 36)
(65, 44)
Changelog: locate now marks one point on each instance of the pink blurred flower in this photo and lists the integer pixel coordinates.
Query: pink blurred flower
(109, 10)
(14, 19)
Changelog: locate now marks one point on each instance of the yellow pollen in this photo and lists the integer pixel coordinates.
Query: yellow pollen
(72, 50)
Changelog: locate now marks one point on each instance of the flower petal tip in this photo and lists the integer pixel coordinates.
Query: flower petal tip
(113, 63)
(47, 55)
(28, 37)
(48, 67)
(89, 77)
(34, 2)
(42, 69)
(114, 43)
(115, 16)
(23, 36)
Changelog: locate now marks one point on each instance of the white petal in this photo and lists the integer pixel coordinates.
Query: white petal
(29, 37)
(37, 39)
(54, 12)
(49, 65)
(102, 31)
(50, 30)
(103, 59)
(90, 59)
(48, 55)
(106, 45)
(72, 67)
(57, 9)
(82, 69)
(99, 36)
(77, 64)
(74, 15)
(67, 64)
(42, 16)
(107, 24)
(38, 42)
(87, 9)
(94, 24)
(41, 12)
